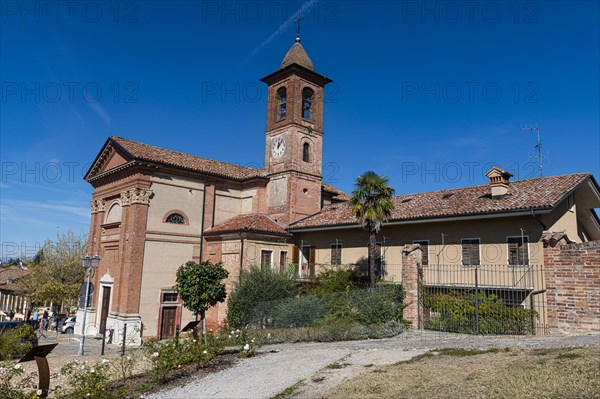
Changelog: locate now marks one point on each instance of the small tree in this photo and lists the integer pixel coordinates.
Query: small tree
(55, 275)
(200, 286)
(372, 205)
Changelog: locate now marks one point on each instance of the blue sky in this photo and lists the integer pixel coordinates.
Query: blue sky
(430, 94)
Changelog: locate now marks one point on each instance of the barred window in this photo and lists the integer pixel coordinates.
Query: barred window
(518, 251)
(175, 218)
(169, 297)
(470, 251)
(336, 254)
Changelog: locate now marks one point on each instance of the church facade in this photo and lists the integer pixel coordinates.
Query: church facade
(154, 209)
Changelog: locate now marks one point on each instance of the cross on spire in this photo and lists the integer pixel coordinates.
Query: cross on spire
(298, 34)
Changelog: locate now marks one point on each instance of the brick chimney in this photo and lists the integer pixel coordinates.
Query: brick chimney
(498, 181)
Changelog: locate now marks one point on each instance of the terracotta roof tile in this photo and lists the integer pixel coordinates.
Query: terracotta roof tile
(337, 193)
(9, 275)
(538, 193)
(162, 156)
(256, 223)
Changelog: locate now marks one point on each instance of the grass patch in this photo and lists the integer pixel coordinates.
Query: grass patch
(496, 374)
(289, 391)
(415, 359)
(466, 352)
(336, 365)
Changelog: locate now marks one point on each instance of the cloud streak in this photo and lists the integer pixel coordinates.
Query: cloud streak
(303, 9)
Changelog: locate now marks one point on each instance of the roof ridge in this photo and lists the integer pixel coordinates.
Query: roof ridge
(182, 153)
(486, 184)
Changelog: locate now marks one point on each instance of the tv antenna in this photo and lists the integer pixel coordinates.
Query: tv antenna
(539, 155)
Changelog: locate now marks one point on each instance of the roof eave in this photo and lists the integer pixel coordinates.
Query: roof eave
(520, 212)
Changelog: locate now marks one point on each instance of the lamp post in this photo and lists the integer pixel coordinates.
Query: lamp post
(89, 265)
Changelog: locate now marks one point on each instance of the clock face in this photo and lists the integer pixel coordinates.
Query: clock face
(278, 147)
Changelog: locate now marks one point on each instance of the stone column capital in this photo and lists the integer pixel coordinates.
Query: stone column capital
(98, 205)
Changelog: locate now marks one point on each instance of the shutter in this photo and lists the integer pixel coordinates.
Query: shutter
(296, 259)
(311, 261)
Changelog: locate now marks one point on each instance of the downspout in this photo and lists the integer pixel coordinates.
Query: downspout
(538, 220)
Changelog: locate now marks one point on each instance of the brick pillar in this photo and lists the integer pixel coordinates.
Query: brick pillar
(573, 286)
(411, 260)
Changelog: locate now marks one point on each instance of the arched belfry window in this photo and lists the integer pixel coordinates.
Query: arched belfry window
(175, 218)
(281, 103)
(307, 101)
(306, 152)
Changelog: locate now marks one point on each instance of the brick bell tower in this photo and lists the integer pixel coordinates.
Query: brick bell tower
(294, 137)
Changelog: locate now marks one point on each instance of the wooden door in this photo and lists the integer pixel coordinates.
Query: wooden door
(104, 311)
(167, 328)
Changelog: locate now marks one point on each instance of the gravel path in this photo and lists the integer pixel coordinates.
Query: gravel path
(281, 366)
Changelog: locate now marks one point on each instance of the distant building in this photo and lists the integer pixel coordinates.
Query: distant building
(13, 304)
(154, 209)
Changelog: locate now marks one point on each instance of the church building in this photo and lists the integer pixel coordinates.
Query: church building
(154, 209)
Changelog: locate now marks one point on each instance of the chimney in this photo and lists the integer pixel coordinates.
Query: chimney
(498, 182)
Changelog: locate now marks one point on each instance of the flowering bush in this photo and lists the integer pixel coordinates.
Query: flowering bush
(172, 354)
(7, 390)
(91, 382)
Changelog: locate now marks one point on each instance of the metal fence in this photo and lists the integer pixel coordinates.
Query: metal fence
(483, 299)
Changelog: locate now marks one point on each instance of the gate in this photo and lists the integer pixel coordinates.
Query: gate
(483, 299)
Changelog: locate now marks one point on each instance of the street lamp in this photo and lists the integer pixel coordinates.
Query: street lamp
(89, 265)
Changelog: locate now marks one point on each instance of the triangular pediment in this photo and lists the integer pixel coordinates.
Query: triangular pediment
(111, 157)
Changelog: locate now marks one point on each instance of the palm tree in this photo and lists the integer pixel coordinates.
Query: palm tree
(372, 205)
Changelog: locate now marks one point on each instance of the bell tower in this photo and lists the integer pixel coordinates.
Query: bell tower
(294, 137)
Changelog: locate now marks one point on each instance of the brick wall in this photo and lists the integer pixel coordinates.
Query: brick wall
(573, 286)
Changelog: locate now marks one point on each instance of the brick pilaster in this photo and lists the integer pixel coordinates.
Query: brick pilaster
(411, 260)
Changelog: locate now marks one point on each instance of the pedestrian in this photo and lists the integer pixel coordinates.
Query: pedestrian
(36, 319)
(55, 322)
(46, 319)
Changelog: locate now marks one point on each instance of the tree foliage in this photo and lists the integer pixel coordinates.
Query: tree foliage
(200, 285)
(56, 273)
(372, 205)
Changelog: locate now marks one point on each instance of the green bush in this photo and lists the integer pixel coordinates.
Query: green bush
(371, 306)
(92, 382)
(337, 279)
(295, 312)
(16, 342)
(257, 286)
(456, 312)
